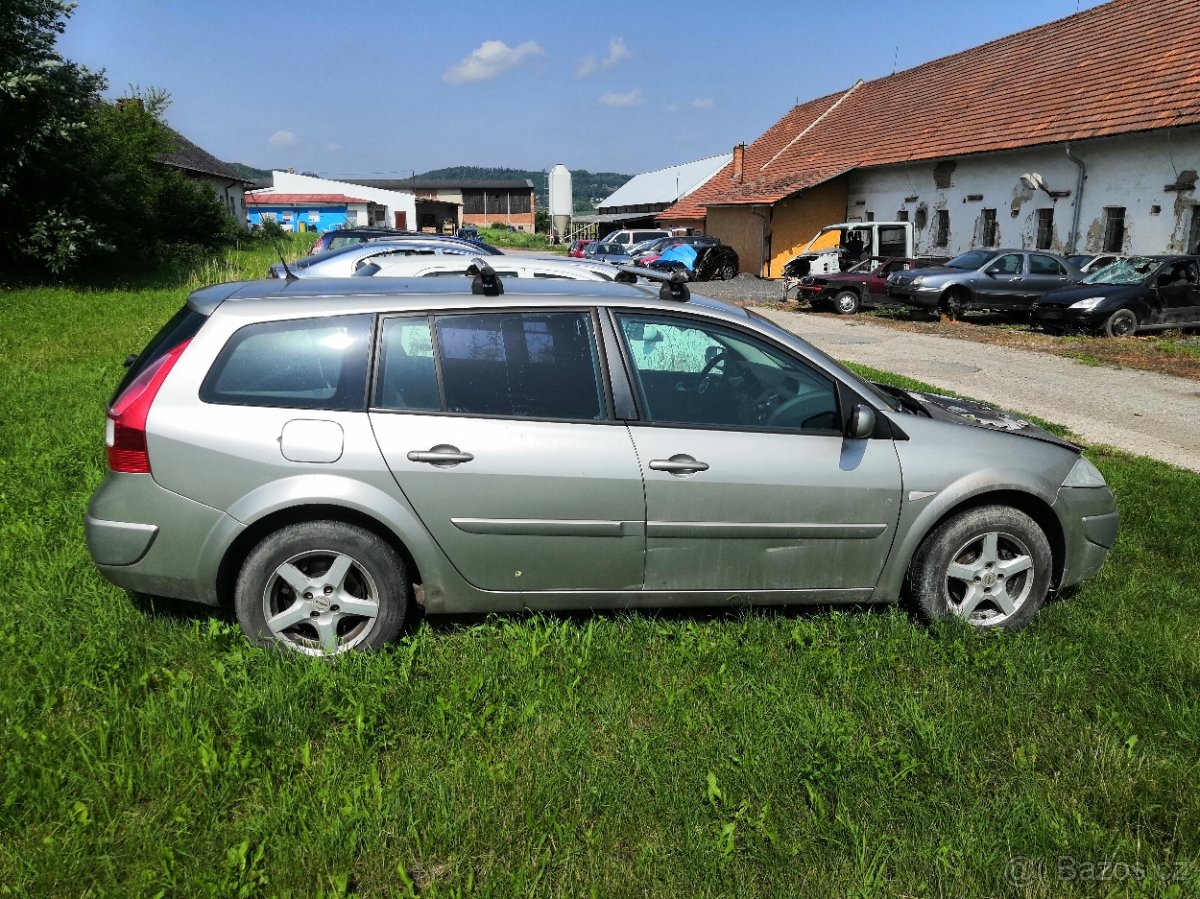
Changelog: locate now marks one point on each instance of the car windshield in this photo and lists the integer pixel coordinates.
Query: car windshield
(973, 259)
(1134, 270)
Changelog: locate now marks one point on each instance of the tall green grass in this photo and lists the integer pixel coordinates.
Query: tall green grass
(147, 750)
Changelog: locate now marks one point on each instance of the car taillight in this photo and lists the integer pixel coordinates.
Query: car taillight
(125, 430)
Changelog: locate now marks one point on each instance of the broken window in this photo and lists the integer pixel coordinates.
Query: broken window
(989, 228)
(1114, 228)
(1045, 229)
(1193, 241)
(941, 232)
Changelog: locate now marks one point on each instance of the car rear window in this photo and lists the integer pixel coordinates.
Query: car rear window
(307, 364)
(183, 325)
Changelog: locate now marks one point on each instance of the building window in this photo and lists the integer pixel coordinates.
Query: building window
(870, 216)
(902, 215)
(1114, 228)
(1045, 229)
(989, 228)
(941, 233)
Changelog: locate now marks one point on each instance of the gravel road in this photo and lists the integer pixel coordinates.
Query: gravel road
(1137, 411)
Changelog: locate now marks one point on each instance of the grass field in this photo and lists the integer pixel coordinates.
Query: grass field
(147, 750)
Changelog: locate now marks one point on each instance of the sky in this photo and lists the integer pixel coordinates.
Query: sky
(384, 88)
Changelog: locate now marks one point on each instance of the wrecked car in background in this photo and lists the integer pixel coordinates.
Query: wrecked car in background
(864, 285)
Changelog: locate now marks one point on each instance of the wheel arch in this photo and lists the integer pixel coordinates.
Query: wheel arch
(255, 533)
(894, 585)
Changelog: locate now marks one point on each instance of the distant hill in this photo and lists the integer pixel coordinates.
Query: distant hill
(589, 188)
(249, 171)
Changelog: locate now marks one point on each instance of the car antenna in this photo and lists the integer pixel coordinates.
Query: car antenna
(289, 274)
(486, 282)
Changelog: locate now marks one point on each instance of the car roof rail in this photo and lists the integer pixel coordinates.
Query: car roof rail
(674, 283)
(486, 281)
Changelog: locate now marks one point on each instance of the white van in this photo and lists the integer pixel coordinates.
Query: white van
(628, 238)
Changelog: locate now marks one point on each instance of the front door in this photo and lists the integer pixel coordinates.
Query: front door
(496, 428)
(1178, 287)
(1003, 283)
(402, 221)
(750, 484)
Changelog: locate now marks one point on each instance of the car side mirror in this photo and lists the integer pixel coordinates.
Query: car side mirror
(992, 270)
(862, 422)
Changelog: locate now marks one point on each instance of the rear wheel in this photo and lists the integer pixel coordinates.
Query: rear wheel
(1122, 323)
(846, 302)
(322, 588)
(990, 566)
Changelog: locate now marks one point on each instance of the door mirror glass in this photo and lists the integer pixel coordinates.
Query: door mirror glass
(862, 422)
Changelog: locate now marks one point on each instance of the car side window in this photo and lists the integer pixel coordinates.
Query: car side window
(1008, 265)
(1045, 265)
(305, 364)
(705, 375)
(506, 364)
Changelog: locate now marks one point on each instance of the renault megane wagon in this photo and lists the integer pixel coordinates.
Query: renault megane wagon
(321, 454)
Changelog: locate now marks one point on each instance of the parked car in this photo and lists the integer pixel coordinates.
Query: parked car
(1139, 293)
(1090, 262)
(450, 266)
(577, 248)
(714, 260)
(322, 453)
(344, 262)
(627, 237)
(467, 232)
(615, 253)
(864, 285)
(336, 239)
(1002, 280)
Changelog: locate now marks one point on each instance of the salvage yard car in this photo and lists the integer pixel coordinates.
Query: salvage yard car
(1000, 280)
(865, 284)
(1140, 293)
(321, 454)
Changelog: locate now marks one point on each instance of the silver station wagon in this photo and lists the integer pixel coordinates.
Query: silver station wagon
(320, 454)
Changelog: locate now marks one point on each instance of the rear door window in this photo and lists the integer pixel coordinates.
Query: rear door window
(540, 365)
(306, 364)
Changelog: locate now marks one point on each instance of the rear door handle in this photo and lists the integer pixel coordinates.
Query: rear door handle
(679, 465)
(442, 455)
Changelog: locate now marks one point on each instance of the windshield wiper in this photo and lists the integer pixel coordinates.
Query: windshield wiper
(904, 400)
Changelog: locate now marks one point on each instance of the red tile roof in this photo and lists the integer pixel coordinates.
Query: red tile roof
(271, 199)
(1120, 68)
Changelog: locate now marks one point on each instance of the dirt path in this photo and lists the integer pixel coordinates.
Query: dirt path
(1137, 411)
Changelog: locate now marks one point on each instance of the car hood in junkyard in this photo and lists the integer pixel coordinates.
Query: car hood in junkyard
(1065, 296)
(983, 415)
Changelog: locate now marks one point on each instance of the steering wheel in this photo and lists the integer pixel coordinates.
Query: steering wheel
(708, 379)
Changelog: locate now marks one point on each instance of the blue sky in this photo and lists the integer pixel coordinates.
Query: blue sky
(384, 88)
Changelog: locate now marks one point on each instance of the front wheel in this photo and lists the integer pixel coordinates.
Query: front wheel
(953, 304)
(322, 588)
(847, 302)
(1122, 323)
(990, 566)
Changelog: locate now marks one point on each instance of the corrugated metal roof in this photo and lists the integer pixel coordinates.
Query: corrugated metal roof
(665, 185)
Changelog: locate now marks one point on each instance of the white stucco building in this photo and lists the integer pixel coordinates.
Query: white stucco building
(391, 208)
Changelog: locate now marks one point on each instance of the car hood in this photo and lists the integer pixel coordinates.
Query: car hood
(983, 415)
(1065, 296)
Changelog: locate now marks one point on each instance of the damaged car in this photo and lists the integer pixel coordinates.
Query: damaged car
(1140, 293)
(864, 285)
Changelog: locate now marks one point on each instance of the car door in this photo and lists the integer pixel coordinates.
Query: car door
(496, 428)
(1046, 273)
(1001, 284)
(877, 281)
(1178, 292)
(749, 482)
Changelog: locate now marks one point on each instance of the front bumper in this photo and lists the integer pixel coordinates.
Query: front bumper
(1067, 318)
(921, 297)
(1090, 526)
(145, 538)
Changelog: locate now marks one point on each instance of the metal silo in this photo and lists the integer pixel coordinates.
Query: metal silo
(561, 199)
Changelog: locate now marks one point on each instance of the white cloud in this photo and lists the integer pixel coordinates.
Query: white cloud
(282, 139)
(617, 53)
(489, 60)
(633, 98)
(703, 103)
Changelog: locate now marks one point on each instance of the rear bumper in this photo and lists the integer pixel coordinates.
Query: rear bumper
(145, 538)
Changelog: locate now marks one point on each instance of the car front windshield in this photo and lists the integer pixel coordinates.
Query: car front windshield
(973, 259)
(1134, 270)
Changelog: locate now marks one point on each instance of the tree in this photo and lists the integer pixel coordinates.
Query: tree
(45, 104)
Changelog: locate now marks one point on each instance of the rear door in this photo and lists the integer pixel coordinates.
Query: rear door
(497, 429)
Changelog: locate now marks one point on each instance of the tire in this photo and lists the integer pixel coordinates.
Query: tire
(847, 302)
(1122, 323)
(954, 304)
(968, 564)
(284, 596)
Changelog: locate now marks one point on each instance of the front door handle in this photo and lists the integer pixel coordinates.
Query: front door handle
(679, 465)
(442, 455)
